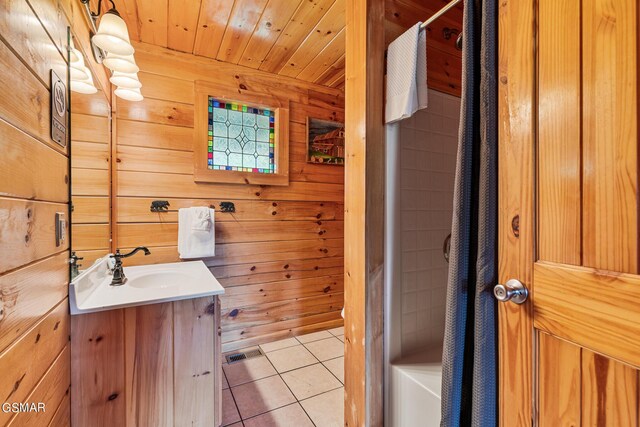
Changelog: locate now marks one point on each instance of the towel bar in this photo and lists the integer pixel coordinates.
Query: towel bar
(162, 206)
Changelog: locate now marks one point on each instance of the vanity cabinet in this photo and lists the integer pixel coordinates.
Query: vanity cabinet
(155, 365)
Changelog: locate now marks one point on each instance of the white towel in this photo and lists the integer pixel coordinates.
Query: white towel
(195, 239)
(202, 219)
(406, 75)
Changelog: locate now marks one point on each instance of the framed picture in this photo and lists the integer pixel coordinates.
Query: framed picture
(325, 142)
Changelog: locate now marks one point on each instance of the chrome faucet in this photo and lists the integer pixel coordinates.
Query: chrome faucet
(119, 278)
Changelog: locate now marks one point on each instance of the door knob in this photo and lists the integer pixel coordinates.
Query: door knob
(513, 290)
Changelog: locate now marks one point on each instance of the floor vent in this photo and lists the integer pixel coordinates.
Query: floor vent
(237, 357)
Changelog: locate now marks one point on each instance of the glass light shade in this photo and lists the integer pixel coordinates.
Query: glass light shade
(129, 94)
(78, 71)
(125, 80)
(112, 34)
(84, 86)
(76, 56)
(121, 63)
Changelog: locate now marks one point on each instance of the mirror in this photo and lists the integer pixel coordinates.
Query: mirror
(90, 162)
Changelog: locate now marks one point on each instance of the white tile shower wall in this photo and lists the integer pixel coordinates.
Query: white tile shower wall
(428, 161)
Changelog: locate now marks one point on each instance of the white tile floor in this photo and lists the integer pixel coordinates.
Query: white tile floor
(300, 382)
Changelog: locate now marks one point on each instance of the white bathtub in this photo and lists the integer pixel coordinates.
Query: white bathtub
(415, 389)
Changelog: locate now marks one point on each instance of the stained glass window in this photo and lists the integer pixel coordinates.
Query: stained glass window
(241, 137)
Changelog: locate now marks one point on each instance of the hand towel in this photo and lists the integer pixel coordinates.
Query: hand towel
(406, 75)
(194, 241)
(202, 219)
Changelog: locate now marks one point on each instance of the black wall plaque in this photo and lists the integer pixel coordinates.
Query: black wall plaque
(58, 110)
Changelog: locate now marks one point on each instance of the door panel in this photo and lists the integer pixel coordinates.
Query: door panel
(610, 135)
(574, 145)
(558, 389)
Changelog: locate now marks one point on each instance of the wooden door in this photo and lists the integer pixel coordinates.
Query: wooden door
(569, 216)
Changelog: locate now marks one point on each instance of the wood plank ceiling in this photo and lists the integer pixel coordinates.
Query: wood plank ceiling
(303, 39)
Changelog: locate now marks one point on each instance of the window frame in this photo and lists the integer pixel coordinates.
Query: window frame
(201, 172)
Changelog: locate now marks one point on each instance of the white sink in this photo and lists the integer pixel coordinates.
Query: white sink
(91, 291)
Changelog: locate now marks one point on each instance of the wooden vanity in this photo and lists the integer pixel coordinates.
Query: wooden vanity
(148, 366)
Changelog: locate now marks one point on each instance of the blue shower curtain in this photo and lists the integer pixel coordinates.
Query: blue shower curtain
(469, 371)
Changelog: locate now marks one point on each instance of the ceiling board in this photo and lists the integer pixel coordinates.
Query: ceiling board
(298, 38)
(274, 19)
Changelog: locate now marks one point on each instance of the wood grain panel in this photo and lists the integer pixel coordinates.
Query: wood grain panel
(167, 88)
(240, 27)
(516, 141)
(132, 209)
(89, 128)
(27, 294)
(152, 21)
(212, 23)
(610, 129)
(25, 363)
(21, 29)
(154, 160)
(320, 37)
(238, 253)
(63, 413)
(328, 58)
(51, 391)
(163, 136)
(182, 24)
(240, 296)
(562, 312)
(164, 186)
(97, 355)
(27, 231)
(290, 267)
(90, 182)
(25, 100)
(94, 105)
(609, 392)
(90, 210)
(149, 365)
(364, 214)
(194, 371)
(28, 164)
(559, 383)
(253, 335)
(90, 236)
(302, 22)
(157, 111)
(231, 232)
(274, 18)
(90, 155)
(280, 311)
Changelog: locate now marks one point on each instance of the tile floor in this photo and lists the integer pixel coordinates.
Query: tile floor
(298, 383)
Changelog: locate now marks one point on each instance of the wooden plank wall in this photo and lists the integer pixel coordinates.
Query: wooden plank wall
(90, 176)
(280, 256)
(34, 185)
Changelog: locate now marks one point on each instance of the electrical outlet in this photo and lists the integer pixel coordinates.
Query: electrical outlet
(61, 228)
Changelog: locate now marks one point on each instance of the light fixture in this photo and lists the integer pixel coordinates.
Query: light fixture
(125, 80)
(112, 48)
(84, 86)
(77, 70)
(129, 94)
(112, 35)
(121, 63)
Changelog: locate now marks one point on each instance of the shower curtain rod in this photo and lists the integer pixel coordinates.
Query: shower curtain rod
(438, 14)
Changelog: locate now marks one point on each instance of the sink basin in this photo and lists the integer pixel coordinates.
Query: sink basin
(159, 280)
(91, 291)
